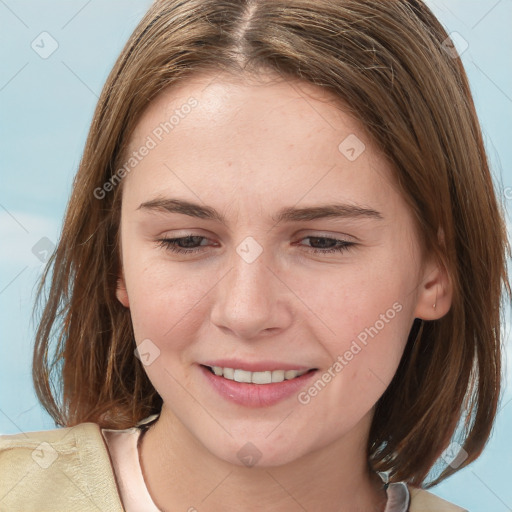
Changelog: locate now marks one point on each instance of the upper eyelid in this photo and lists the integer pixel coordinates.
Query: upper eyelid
(312, 233)
(341, 245)
(298, 239)
(338, 238)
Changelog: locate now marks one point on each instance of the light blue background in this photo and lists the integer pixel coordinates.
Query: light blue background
(46, 106)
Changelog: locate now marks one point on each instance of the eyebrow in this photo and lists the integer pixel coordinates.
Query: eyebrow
(287, 214)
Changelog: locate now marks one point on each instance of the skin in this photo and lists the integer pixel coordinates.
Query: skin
(249, 148)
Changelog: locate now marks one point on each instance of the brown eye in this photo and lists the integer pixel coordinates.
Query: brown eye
(324, 245)
(184, 245)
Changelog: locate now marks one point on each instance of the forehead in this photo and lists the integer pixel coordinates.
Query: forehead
(255, 136)
(224, 100)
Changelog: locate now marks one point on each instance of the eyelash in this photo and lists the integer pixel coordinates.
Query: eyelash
(170, 245)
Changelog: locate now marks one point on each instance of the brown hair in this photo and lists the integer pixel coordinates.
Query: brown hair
(387, 62)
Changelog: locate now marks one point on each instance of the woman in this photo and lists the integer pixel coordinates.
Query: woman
(281, 207)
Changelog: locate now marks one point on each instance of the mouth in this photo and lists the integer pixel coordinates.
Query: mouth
(258, 378)
(261, 388)
(255, 383)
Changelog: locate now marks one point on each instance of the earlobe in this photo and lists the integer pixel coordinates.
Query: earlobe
(121, 292)
(435, 293)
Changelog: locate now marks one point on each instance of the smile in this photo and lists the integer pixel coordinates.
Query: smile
(261, 388)
(264, 377)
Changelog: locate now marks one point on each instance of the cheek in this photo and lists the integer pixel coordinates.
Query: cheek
(163, 301)
(161, 307)
(166, 309)
(368, 314)
(362, 363)
(360, 302)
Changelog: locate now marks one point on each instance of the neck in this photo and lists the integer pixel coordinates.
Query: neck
(181, 474)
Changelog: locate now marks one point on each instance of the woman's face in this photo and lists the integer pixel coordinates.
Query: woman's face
(303, 256)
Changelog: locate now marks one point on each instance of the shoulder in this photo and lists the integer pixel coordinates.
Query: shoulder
(424, 501)
(65, 469)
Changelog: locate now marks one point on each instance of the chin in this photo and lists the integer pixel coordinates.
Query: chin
(256, 451)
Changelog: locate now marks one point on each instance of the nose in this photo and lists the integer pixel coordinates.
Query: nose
(251, 301)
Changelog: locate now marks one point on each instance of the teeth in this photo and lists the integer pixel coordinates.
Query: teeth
(278, 375)
(242, 376)
(266, 377)
(261, 377)
(228, 373)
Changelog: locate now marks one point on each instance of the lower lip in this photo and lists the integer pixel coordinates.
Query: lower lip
(256, 395)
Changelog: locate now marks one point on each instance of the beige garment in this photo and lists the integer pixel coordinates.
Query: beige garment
(70, 470)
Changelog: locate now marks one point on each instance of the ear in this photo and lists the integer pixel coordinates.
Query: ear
(121, 292)
(435, 291)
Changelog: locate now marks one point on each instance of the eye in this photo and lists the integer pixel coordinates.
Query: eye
(176, 244)
(326, 245)
(191, 244)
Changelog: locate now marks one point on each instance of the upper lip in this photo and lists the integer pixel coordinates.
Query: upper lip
(255, 366)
